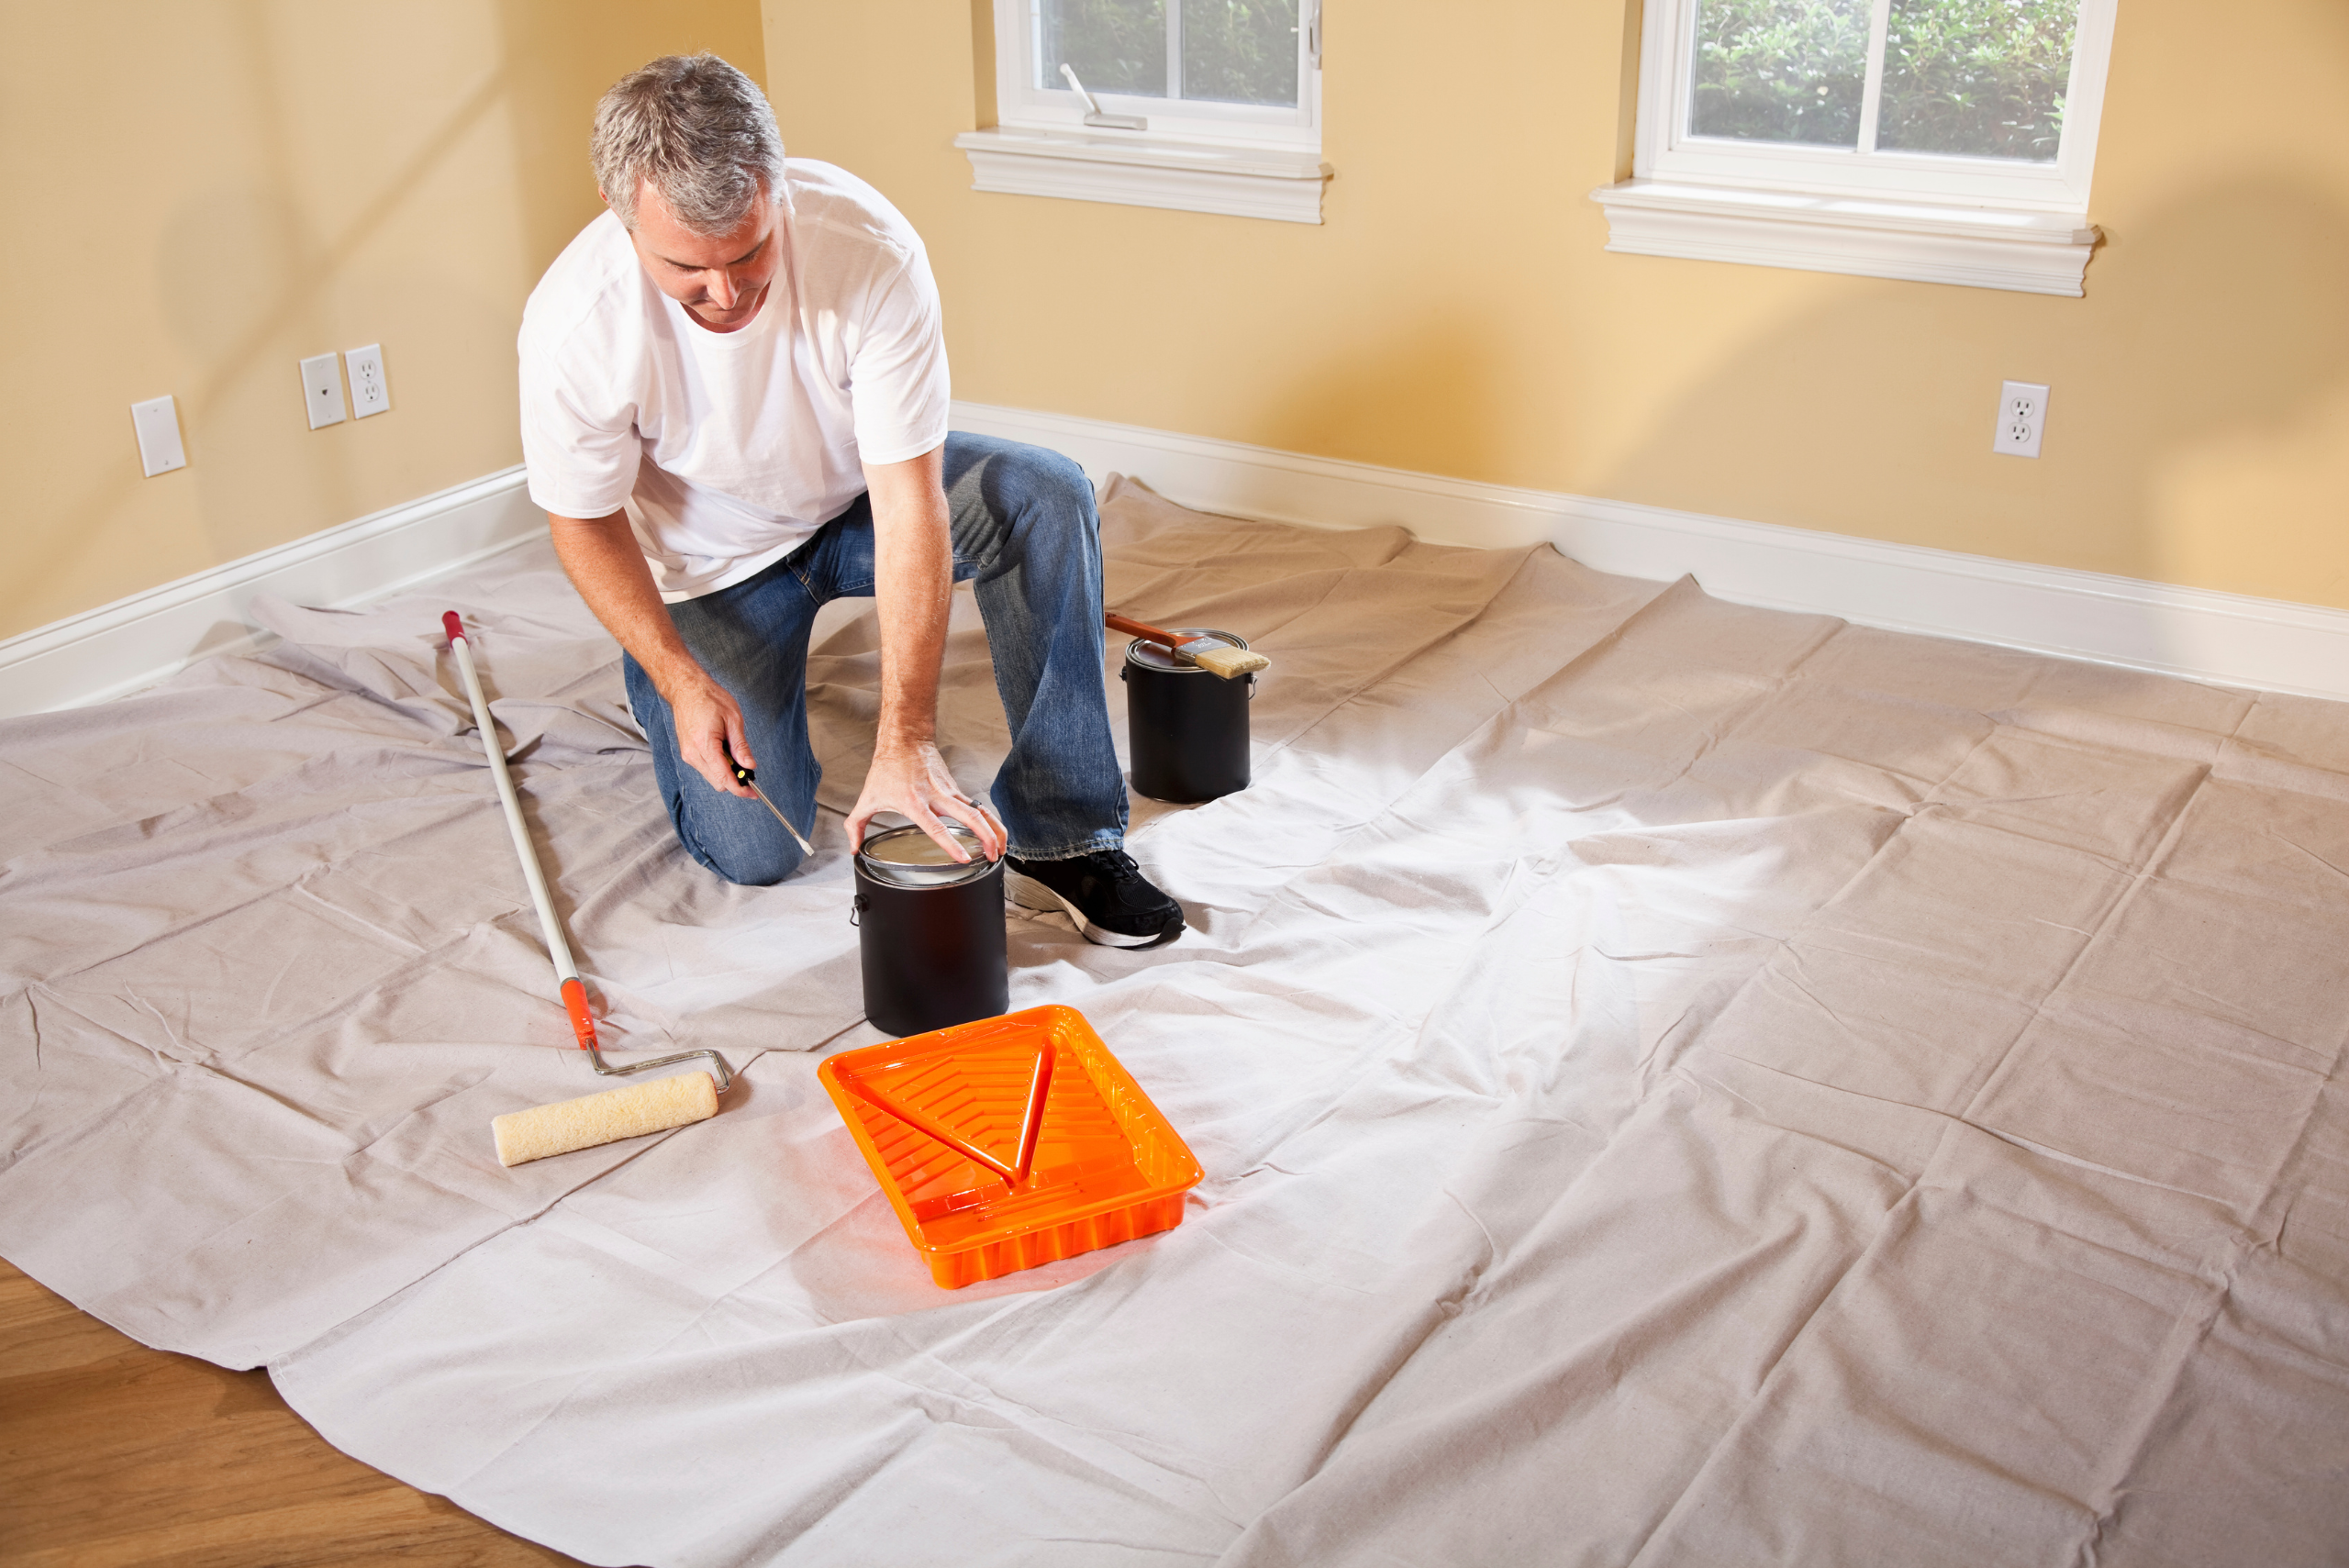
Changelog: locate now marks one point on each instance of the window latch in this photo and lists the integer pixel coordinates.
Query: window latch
(1093, 115)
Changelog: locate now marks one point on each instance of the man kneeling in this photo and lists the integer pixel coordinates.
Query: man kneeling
(734, 405)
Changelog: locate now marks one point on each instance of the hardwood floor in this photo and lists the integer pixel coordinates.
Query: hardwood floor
(112, 1453)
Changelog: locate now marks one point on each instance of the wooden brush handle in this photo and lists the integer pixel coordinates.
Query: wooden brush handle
(1132, 628)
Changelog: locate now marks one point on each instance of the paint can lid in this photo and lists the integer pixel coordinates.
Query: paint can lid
(907, 857)
(1144, 654)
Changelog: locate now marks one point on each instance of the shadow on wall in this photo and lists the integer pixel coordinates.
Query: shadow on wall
(246, 278)
(483, 170)
(2222, 313)
(558, 62)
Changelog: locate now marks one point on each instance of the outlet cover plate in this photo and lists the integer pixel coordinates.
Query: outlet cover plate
(156, 423)
(322, 391)
(370, 393)
(2022, 419)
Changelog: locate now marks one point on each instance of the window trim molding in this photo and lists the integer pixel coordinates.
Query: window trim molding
(1976, 222)
(2030, 253)
(1280, 184)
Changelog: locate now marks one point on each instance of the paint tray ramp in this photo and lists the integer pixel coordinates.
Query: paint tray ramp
(1011, 1142)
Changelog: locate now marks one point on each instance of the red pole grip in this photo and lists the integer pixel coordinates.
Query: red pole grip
(451, 624)
(583, 1024)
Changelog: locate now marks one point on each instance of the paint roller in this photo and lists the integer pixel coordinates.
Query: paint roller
(591, 1119)
(1212, 654)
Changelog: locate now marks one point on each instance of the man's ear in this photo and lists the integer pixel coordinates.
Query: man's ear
(602, 197)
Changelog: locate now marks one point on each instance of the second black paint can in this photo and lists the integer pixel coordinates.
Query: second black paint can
(1187, 728)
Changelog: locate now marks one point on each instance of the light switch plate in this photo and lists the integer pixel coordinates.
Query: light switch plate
(322, 391)
(156, 422)
(370, 393)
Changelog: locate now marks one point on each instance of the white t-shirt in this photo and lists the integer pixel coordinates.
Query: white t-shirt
(728, 450)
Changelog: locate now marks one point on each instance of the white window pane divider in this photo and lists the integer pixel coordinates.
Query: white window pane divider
(1872, 88)
(1174, 51)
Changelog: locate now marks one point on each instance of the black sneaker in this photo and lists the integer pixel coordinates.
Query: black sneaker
(1104, 893)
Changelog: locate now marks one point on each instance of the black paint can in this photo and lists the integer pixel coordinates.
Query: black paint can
(1187, 728)
(929, 932)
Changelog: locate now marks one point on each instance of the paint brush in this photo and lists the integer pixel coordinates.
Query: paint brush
(1212, 654)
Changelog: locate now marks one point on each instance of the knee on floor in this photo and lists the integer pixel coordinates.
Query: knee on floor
(1035, 473)
(750, 861)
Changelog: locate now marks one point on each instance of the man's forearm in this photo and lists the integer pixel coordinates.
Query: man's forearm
(913, 570)
(913, 587)
(607, 568)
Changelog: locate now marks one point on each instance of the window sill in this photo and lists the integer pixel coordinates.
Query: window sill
(1238, 181)
(2034, 252)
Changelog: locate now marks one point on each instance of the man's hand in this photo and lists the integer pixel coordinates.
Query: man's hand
(709, 726)
(913, 584)
(913, 782)
(602, 557)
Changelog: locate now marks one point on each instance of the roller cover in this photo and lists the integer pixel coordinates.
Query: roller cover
(607, 1117)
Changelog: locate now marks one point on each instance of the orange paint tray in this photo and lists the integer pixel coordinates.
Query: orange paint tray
(1106, 1166)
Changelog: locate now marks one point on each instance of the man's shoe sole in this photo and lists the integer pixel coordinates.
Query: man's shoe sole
(1031, 893)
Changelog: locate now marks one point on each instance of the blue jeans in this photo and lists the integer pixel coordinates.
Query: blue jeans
(1027, 537)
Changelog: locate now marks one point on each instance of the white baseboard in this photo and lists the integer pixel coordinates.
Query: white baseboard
(2227, 638)
(149, 637)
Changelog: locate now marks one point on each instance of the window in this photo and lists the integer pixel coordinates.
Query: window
(1205, 70)
(1948, 140)
(1212, 105)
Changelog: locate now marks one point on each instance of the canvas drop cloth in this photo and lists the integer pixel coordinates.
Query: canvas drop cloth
(1678, 1084)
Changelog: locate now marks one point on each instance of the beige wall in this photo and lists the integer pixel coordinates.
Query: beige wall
(1457, 314)
(202, 192)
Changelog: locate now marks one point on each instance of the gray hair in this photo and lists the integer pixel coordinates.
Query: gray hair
(697, 128)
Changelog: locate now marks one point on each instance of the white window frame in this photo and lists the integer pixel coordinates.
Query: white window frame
(1241, 159)
(1982, 221)
(1018, 36)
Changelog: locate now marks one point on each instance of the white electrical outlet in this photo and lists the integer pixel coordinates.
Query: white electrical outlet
(322, 391)
(370, 393)
(2022, 419)
(156, 423)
